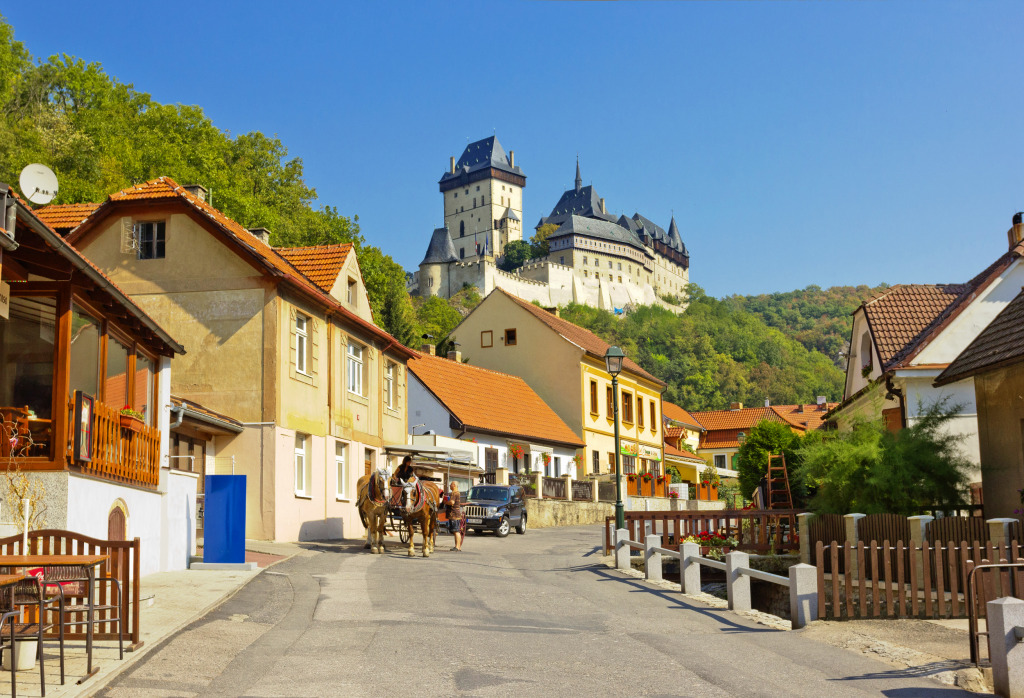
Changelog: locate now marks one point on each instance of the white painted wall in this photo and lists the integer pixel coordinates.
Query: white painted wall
(90, 501)
(921, 393)
(178, 539)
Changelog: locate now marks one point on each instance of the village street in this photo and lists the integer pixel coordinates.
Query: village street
(531, 615)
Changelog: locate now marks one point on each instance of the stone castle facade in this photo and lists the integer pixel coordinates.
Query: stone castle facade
(594, 258)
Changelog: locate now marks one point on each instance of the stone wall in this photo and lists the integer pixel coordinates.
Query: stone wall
(545, 513)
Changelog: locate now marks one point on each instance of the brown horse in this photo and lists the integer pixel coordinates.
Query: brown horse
(419, 505)
(372, 503)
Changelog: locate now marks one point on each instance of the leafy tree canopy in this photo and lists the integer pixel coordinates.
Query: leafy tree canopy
(539, 242)
(517, 252)
(767, 438)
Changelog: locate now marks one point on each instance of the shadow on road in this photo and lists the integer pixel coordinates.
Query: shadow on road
(673, 600)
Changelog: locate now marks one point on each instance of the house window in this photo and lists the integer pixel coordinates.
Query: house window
(510, 338)
(490, 460)
(654, 418)
(85, 353)
(151, 237)
(302, 466)
(486, 339)
(115, 387)
(355, 368)
(597, 462)
(629, 465)
(627, 408)
(389, 385)
(640, 411)
(301, 342)
(720, 460)
(28, 340)
(143, 398)
(610, 402)
(351, 291)
(866, 357)
(557, 465)
(611, 461)
(340, 460)
(593, 398)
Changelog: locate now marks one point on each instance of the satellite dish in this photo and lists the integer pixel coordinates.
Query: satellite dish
(38, 183)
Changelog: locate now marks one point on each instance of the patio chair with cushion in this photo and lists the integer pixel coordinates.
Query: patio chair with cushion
(26, 592)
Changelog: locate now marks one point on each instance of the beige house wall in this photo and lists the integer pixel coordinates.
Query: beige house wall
(350, 272)
(1001, 438)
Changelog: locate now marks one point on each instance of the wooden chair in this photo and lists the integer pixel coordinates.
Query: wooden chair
(13, 629)
(70, 586)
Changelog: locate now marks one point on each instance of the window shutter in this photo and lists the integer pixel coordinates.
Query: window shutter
(129, 243)
(314, 346)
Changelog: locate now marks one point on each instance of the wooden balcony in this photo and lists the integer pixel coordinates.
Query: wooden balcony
(120, 455)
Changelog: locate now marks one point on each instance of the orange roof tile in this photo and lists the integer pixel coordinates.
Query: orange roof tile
(492, 402)
(714, 420)
(810, 418)
(585, 339)
(321, 264)
(64, 217)
(899, 316)
(165, 188)
(684, 455)
(678, 414)
(674, 432)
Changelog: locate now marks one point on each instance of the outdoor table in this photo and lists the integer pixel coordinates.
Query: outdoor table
(89, 562)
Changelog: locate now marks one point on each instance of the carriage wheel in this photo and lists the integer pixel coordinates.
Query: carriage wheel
(403, 532)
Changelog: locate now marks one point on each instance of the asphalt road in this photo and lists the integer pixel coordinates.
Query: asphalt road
(532, 615)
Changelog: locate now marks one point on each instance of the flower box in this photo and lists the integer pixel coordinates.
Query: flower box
(708, 492)
(130, 423)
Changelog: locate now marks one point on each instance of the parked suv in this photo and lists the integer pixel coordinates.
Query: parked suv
(495, 508)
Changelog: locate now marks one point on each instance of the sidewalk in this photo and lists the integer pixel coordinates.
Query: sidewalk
(170, 601)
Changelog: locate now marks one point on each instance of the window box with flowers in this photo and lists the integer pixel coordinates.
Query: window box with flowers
(131, 420)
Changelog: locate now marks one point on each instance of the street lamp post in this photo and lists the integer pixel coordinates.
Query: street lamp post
(613, 362)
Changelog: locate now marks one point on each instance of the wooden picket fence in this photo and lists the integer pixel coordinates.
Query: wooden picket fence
(872, 580)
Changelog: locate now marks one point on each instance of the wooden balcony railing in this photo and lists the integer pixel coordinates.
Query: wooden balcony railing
(121, 455)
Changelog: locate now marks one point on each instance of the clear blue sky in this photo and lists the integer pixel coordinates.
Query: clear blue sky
(797, 143)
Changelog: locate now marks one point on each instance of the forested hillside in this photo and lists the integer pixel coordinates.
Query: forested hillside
(716, 353)
(817, 318)
(100, 135)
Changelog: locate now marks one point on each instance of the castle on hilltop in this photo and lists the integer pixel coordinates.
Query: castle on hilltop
(593, 259)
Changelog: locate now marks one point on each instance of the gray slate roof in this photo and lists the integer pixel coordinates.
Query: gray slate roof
(599, 229)
(441, 248)
(483, 154)
(653, 229)
(576, 202)
(999, 344)
(509, 213)
(675, 241)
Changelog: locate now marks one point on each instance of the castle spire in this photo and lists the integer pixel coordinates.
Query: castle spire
(579, 180)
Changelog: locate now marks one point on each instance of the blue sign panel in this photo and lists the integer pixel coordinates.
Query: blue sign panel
(224, 519)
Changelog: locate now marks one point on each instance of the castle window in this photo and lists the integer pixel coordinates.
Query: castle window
(462, 229)
(467, 192)
(483, 200)
(609, 266)
(474, 201)
(620, 279)
(586, 273)
(456, 195)
(478, 187)
(462, 253)
(620, 266)
(584, 261)
(611, 278)
(561, 260)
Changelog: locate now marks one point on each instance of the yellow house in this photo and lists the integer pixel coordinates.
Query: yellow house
(281, 340)
(564, 364)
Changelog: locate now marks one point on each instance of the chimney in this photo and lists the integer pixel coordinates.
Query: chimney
(511, 158)
(822, 403)
(455, 355)
(800, 408)
(554, 310)
(262, 233)
(602, 206)
(451, 164)
(1016, 233)
(197, 190)
(767, 402)
(427, 349)
(735, 405)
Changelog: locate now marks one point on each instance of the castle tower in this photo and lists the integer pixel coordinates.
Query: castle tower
(434, 274)
(483, 200)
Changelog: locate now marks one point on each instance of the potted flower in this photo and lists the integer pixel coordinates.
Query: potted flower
(647, 477)
(712, 545)
(709, 483)
(546, 457)
(673, 495)
(516, 451)
(130, 419)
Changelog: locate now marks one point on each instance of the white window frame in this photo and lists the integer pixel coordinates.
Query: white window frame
(389, 385)
(724, 461)
(355, 368)
(303, 468)
(301, 342)
(341, 466)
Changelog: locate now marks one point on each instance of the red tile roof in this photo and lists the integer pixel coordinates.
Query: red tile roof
(899, 316)
(678, 414)
(165, 188)
(585, 339)
(492, 402)
(1000, 344)
(64, 217)
(321, 264)
(684, 455)
(724, 426)
(808, 417)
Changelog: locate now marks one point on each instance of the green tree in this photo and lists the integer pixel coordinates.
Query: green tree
(517, 252)
(396, 315)
(539, 242)
(766, 438)
(871, 470)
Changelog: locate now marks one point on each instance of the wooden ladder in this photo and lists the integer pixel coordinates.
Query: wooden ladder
(779, 495)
